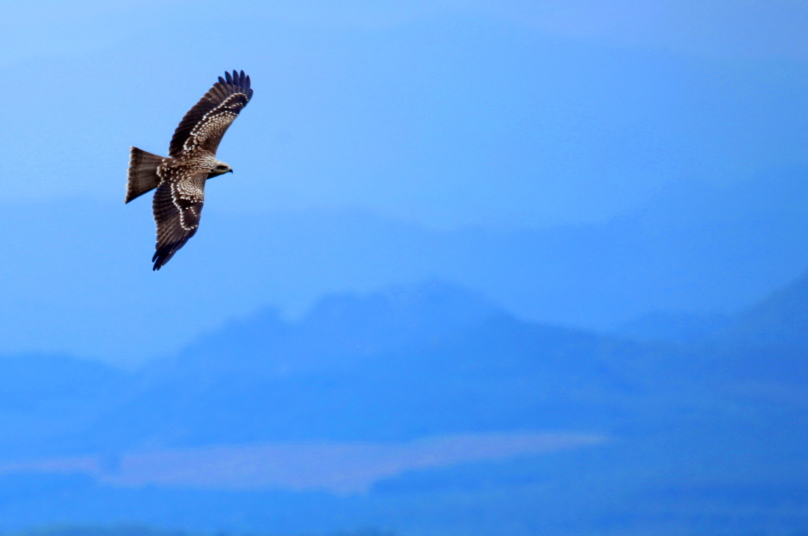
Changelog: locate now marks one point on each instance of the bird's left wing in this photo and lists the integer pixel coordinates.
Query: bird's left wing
(177, 209)
(205, 124)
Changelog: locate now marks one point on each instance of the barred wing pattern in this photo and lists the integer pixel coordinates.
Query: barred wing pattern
(177, 208)
(205, 124)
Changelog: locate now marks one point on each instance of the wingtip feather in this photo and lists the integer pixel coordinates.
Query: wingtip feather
(160, 258)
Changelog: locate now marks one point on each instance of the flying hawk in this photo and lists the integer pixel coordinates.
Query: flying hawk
(180, 177)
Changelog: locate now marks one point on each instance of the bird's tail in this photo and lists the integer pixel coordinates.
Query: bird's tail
(142, 173)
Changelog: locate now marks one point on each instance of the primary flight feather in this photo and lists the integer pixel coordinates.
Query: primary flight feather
(180, 177)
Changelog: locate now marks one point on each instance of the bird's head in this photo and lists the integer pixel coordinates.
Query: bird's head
(219, 168)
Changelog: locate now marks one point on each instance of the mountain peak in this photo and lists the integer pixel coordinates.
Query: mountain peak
(404, 308)
(339, 329)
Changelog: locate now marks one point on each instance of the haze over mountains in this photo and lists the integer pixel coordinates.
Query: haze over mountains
(86, 290)
(483, 268)
(376, 379)
(574, 181)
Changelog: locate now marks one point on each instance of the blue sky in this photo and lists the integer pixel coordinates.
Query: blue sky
(443, 113)
(446, 124)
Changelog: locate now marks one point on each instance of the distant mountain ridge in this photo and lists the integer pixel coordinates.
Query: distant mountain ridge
(696, 249)
(340, 329)
(394, 364)
(432, 341)
(780, 319)
(355, 364)
(390, 368)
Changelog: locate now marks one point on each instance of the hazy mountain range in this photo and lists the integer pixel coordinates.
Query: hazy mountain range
(645, 436)
(483, 268)
(86, 289)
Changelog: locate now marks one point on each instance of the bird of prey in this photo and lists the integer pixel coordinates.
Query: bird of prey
(180, 177)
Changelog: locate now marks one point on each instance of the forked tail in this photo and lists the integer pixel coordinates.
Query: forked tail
(142, 173)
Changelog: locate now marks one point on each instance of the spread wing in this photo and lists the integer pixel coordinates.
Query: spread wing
(205, 124)
(177, 208)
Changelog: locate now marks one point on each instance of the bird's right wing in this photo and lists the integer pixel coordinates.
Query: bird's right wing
(177, 209)
(205, 124)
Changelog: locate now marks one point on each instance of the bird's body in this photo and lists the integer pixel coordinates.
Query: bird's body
(180, 177)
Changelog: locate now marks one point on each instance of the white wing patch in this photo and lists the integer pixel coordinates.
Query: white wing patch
(185, 195)
(214, 123)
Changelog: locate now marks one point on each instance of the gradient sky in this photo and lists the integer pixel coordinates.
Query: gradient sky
(446, 113)
(447, 116)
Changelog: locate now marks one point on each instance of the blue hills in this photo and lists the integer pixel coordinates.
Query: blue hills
(321, 380)
(716, 419)
(396, 364)
(424, 344)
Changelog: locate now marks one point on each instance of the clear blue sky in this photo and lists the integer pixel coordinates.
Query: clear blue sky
(446, 113)
(440, 116)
